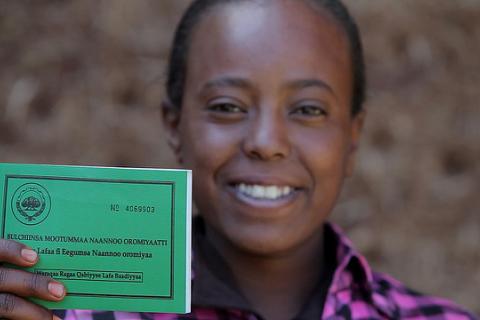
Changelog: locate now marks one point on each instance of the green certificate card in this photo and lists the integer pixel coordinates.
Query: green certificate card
(118, 238)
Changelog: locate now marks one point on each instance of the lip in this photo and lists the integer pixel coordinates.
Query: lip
(264, 180)
(263, 207)
(262, 203)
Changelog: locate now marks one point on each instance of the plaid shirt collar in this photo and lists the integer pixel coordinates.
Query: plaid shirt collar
(217, 288)
(355, 292)
(353, 271)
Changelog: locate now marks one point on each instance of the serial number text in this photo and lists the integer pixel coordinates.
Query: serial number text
(132, 208)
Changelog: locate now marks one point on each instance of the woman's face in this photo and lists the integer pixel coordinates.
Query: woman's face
(265, 124)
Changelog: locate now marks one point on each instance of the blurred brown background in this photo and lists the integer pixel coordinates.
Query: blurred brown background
(81, 83)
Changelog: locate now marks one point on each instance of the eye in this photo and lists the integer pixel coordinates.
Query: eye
(309, 110)
(226, 111)
(226, 107)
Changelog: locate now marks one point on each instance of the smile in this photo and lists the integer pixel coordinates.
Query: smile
(264, 192)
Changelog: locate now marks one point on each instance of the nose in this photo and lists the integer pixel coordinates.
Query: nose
(267, 137)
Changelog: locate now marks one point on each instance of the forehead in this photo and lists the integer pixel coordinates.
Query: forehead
(291, 36)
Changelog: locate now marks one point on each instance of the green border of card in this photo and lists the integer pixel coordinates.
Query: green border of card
(118, 238)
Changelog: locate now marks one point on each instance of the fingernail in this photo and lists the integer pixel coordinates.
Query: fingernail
(56, 318)
(56, 289)
(29, 255)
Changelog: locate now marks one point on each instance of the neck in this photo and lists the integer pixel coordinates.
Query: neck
(276, 286)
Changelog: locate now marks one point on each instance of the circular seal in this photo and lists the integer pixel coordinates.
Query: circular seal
(31, 203)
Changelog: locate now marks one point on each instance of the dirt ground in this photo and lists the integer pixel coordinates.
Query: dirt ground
(81, 83)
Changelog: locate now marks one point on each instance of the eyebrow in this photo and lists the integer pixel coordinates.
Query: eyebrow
(308, 83)
(241, 83)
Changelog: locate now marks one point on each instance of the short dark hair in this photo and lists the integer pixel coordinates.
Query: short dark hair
(177, 67)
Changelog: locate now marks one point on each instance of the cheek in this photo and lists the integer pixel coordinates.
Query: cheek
(328, 142)
(207, 147)
(325, 154)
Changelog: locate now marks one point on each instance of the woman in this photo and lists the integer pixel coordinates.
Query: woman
(265, 106)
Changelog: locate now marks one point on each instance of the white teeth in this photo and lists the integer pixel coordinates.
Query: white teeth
(264, 192)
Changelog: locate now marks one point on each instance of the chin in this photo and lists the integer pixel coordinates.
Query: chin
(265, 241)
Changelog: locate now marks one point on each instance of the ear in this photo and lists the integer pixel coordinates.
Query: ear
(358, 122)
(171, 121)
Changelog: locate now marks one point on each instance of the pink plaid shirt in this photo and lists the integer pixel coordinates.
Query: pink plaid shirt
(356, 292)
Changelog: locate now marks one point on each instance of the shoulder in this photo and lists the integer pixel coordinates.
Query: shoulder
(406, 303)
(364, 293)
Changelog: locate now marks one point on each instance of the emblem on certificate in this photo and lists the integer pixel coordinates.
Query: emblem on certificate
(31, 203)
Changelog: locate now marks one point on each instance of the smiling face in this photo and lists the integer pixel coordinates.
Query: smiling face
(265, 123)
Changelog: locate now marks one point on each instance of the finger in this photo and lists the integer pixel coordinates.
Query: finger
(26, 284)
(16, 253)
(16, 308)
